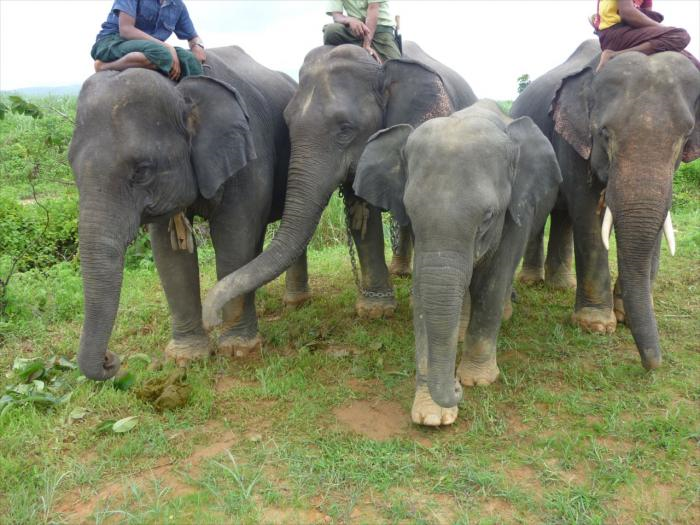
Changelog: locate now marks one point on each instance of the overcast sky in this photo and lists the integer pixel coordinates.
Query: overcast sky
(490, 43)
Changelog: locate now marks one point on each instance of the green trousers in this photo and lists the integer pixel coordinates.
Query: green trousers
(383, 41)
(113, 47)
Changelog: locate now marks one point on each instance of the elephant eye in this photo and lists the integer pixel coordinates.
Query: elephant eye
(604, 133)
(346, 132)
(142, 172)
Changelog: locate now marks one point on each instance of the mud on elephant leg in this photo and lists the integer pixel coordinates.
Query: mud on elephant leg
(532, 271)
(367, 231)
(560, 249)
(425, 411)
(401, 259)
(240, 336)
(297, 292)
(179, 274)
(478, 366)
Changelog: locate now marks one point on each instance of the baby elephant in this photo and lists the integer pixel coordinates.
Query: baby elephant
(473, 186)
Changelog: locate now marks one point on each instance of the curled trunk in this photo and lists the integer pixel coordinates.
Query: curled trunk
(441, 282)
(312, 180)
(102, 265)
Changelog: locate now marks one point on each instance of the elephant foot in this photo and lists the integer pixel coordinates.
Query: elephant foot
(294, 300)
(185, 350)
(531, 276)
(427, 412)
(471, 373)
(400, 266)
(561, 280)
(375, 307)
(236, 346)
(595, 320)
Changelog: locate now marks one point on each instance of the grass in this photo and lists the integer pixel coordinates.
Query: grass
(316, 428)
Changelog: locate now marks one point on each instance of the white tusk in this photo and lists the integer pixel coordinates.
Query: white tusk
(607, 228)
(668, 233)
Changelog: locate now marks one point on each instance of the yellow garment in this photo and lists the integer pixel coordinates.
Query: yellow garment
(608, 14)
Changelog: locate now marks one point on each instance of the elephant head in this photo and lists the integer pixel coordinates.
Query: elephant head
(143, 149)
(344, 96)
(461, 182)
(634, 121)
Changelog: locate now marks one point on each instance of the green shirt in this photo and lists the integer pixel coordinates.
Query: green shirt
(358, 9)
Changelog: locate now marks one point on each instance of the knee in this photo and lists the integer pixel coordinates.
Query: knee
(332, 34)
(160, 57)
(679, 38)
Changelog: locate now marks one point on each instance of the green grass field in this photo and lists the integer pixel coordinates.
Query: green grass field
(316, 428)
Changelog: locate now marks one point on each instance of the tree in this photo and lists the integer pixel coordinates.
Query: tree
(523, 82)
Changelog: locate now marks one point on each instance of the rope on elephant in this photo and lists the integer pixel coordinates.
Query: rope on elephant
(181, 234)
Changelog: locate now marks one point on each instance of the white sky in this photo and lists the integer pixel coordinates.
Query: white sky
(490, 43)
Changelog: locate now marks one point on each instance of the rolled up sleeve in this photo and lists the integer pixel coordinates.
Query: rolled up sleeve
(125, 6)
(334, 6)
(184, 29)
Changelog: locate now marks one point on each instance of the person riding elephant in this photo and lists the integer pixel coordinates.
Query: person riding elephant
(632, 25)
(363, 23)
(134, 35)
(344, 97)
(473, 186)
(145, 150)
(619, 135)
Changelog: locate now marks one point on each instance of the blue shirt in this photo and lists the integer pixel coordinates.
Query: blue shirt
(156, 19)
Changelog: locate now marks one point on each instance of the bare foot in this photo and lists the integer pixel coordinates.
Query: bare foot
(427, 412)
(99, 65)
(604, 57)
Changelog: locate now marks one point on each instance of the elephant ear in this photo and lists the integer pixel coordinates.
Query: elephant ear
(218, 124)
(536, 170)
(570, 111)
(413, 93)
(692, 146)
(380, 177)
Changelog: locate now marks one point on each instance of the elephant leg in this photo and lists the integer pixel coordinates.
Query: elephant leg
(594, 304)
(297, 290)
(377, 296)
(401, 259)
(235, 246)
(179, 275)
(532, 271)
(560, 249)
(425, 411)
(618, 304)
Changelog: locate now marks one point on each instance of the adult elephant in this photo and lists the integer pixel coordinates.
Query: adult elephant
(619, 135)
(145, 149)
(344, 97)
(473, 186)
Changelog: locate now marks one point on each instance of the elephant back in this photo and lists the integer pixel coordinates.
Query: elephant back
(536, 100)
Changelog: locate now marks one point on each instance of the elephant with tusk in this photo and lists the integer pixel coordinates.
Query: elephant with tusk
(622, 131)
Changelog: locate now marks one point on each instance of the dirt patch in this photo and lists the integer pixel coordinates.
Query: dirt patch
(526, 477)
(500, 509)
(165, 472)
(516, 424)
(364, 386)
(283, 516)
(380, 420)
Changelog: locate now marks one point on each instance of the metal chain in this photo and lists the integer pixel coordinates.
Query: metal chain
(394, 231)
(351, 251)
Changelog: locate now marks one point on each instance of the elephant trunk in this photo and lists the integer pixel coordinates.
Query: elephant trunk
(312, 179)
(442, 279)
(637, 240)
(102, 266)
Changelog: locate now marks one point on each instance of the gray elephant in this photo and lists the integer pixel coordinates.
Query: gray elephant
(145, 149)
(473, 187)
(344, 97)
(619, 135)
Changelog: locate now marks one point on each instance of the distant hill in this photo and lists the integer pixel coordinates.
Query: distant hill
(59, 91)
